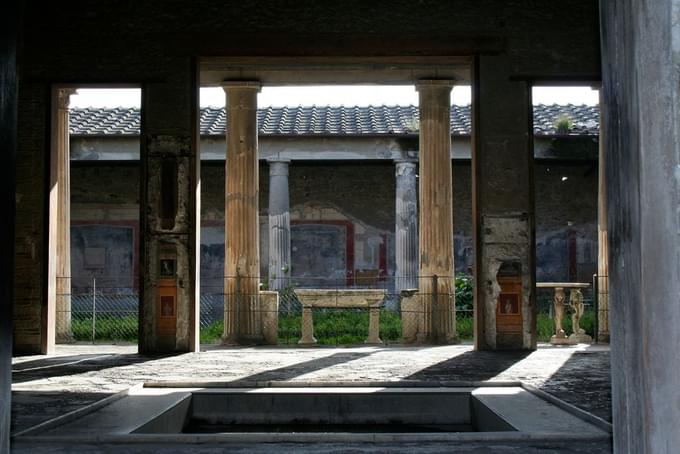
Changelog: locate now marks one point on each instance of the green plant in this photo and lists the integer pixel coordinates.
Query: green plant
(563, 124)
(464, 292)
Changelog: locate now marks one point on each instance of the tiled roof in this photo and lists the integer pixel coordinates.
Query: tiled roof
(324, 121)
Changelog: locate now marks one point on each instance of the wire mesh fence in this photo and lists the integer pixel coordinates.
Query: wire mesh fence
(106, 312)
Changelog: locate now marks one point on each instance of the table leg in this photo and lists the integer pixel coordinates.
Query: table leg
(374, 326)
(307, 327)
(559, 337)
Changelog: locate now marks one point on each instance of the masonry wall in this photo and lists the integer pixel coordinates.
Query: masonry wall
(105, 198)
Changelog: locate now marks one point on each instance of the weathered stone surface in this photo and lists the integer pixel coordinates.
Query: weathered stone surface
(435, 227)
(579, 375)
(503, 196)
(406, 226)
(269, 305)
(242, 315)
(169, 206)
(279, 225)
(641, 86)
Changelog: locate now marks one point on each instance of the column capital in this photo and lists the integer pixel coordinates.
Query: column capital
(405, 166)
(278, 166)
(274, 159)
(64, 97)
(228, 85)
(434, 83)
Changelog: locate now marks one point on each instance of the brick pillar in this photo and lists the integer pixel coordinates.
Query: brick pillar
(169, 212)
(436, 210)
(503, 202)
(242, 318)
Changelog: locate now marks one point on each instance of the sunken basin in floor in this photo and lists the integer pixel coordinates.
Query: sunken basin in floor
(313, 413)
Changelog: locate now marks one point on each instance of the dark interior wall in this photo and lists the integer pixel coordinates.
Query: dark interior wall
(9, 29)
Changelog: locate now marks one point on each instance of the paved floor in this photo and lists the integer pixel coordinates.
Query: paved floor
(45, 387)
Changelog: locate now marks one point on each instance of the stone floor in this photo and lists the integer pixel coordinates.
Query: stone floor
(46, 387)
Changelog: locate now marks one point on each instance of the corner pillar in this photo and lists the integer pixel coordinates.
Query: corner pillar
(242, 318)
(169, 212)
(503, 207)
(640, 62)
(406, 226)
(279, 224)
(436, 211)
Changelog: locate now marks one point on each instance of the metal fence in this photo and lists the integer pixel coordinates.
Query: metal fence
(104, 312)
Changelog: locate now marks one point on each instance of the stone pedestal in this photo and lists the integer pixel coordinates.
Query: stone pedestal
(169, 213)
(242, 318)
(269, 304)
(62, 181)
(279, 224)
(436, 210)
(406, 226)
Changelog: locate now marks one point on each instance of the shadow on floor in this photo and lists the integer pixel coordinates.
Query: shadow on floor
(470, 366)
(30, 408)
(54, 366)
(297, 369)
(584, 380)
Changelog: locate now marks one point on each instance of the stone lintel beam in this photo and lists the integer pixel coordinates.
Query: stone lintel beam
(242, 249)
(436, 208)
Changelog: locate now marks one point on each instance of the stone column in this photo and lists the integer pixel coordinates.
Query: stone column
(602, 256)
(640, 62)
(170, 211)
(62, 153)
(242, 240)
(503, 197)
(436, 209)
(406, 226)
(279, 224)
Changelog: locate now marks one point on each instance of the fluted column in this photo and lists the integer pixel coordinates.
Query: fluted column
(63, 213)
(279, 224)
(436, 210)
(602, 256)
(242, 248)
(406, 225)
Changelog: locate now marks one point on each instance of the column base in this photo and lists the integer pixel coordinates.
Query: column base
(561, 339)
(65, 338)
(580, 338)
(307, 341)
